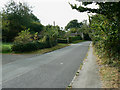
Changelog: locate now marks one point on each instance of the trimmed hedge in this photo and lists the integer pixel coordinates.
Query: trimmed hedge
(6, 49)
(31, 46)
(75, 38)
(62, 41)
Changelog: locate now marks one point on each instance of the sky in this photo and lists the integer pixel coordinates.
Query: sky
(49, 11)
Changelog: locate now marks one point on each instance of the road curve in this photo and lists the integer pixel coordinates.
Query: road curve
(51, 70)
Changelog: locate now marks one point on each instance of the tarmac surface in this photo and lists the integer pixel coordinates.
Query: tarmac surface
(51, 70)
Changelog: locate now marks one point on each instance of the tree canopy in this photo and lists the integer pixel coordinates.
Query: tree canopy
(73, 24)
(109, 9)
(17, 17)
(104, 29)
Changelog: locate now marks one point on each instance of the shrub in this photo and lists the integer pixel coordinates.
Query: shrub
(62, 41)
(23, 37)
(25, 43)
(6, 49)
(49, 41)
(75, 38)
(31, 46)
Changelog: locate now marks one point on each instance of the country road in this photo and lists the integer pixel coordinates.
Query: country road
(51, 70)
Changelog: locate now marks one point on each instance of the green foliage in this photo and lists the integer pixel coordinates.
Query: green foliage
(62, 41)
(36, 27)
(23, 37)
(75, 38)
(74, 30)
(61, 34)
(26, 42)
(6, 48)
(108, 9)
(51, 35)
(105, 38)
(17, 17)
(36, 36)
(31, 46)
(105, 30)
(81, 29)
(73, 24)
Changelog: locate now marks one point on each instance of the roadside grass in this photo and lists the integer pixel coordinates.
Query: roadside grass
(78, 41)
(109, 75)
(6, 48)
(45, 50)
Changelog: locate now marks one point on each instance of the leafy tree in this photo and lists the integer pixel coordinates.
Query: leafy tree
(73, 24)
(73, 30)
(105, 29)
(36, 27)
(109, 9)
(50, 35)
(61, 34)
(16, 17)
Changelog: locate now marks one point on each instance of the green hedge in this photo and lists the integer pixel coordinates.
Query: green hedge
(31, 46)
(6, 49)
(75, 38)
(62, 41)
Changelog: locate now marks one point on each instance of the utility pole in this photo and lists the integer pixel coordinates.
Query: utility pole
(54, 23)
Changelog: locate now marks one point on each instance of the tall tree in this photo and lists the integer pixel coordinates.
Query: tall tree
(109, 9)
(73, 24)
(16, 17)
(105, 29)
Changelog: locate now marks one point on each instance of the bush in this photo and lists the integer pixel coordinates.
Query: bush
(6, 49)
(49, 41)
(75, 38)
(62, 41)
(25, 43)
(31, 46)
(23, 37)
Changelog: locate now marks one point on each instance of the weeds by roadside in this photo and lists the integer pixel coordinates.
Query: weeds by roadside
(109, 75)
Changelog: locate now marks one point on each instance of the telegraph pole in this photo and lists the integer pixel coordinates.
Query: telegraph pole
(54, 23)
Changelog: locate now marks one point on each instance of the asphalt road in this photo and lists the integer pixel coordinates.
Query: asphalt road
(51, 70)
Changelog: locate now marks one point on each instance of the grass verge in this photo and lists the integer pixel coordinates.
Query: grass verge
(109, 75)
(78, 41)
